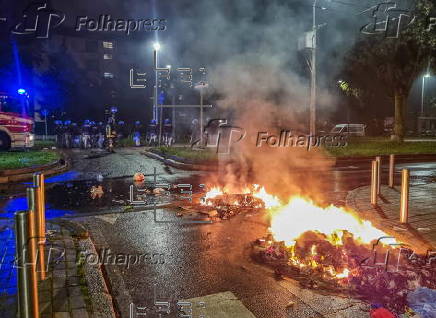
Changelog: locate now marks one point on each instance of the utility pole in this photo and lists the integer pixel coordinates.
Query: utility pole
(312, 107)
(201, 115)
(201, 86)
(156, 47)
(155, 90)
(174, 111)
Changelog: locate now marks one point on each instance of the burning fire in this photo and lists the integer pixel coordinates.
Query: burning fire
(310, 236)
(322, 239)
(256, 191)
(289, 222)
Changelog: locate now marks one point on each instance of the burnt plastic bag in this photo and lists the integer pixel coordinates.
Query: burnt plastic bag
(423, 301)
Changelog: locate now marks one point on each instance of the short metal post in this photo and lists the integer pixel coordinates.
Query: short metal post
(378, 159)
(391, 170)
(374, 182)
(404, 203)
(38, 182)
(23, 281)
(32, 248)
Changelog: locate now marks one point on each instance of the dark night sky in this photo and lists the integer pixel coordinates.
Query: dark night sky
(214, 33)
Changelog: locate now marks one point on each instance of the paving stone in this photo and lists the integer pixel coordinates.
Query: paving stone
(73, 281)
(59, 266)
(80, 313)
(60, 300)
(77, 302)
(71, 264)
(62, 315)
(69, 243)
(74, 291)
(71, 257)
(44, 295)
(59, 273)
(45, 307)
(72, 271)
(59, 282)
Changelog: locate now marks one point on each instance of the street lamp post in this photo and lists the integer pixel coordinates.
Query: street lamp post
(156, 47)
(201, 86)
(173, 98)
(312, 107)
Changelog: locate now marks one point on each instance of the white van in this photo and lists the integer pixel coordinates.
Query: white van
(349, 130)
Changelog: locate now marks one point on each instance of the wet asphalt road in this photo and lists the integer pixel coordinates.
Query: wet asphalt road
(198, 259)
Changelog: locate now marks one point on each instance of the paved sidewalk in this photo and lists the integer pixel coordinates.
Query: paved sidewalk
(71, 288)
(64, 293)
(420, 232)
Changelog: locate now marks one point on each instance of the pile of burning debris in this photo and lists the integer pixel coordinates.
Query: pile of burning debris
(333, 251)
(348, 269)
(329, 249)
(227, 205)
(220, 203)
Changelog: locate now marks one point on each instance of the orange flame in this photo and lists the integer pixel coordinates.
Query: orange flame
(270, 201)
(301, 215)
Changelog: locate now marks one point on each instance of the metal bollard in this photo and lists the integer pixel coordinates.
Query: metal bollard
(38, 182)
(404, 201)
(23, 273)
(374, 182)
(391, 170)
(32, 250)
(378, 159)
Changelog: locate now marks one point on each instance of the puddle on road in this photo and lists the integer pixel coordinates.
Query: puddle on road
(71, 197)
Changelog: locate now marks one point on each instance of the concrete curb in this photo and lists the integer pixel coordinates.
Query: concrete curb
(385, 158)
(370, 213)
(101, 300)
(120, 295)
(18, 175)
(180, 165)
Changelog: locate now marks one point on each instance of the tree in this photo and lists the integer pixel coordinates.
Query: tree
(396, 62)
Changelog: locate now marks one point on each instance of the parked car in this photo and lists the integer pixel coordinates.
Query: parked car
(349, 130)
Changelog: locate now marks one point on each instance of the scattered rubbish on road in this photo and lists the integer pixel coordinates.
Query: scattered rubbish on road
(138, 177)
(423, 301)
(96, 192)
(377, 311)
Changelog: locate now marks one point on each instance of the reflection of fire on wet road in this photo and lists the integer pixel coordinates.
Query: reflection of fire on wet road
(329, 248)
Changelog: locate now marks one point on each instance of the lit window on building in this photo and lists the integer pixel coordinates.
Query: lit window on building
(107, 56)
(108, 75)
(108, 45)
